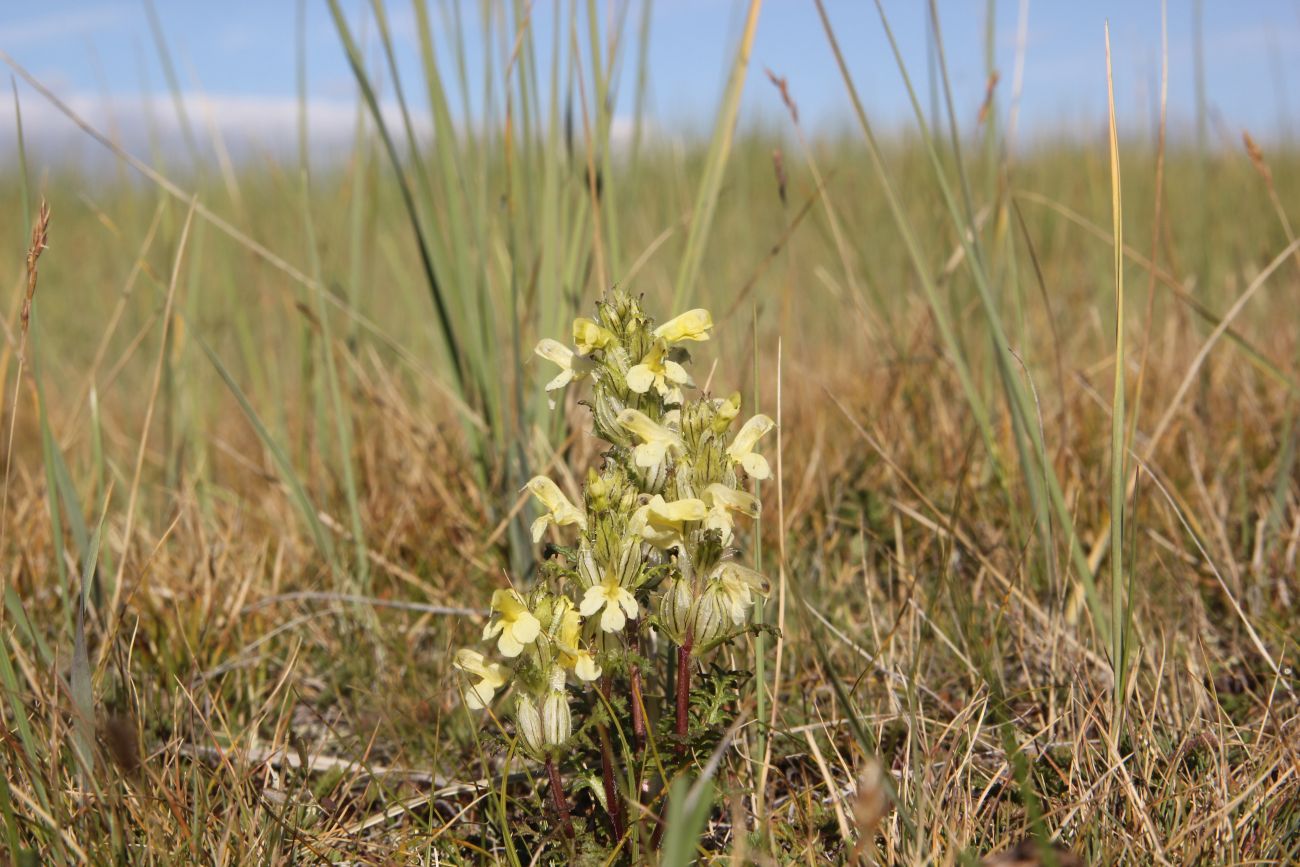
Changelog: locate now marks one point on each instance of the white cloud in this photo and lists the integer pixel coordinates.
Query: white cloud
(247, 126)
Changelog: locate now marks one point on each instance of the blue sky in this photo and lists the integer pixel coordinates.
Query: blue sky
(240, 56)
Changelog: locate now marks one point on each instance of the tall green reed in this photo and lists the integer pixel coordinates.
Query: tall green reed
(514, 200)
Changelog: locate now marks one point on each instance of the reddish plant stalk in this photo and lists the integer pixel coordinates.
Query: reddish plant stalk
(638, 706)
(557, 797)
(613, 799)
(684, 692)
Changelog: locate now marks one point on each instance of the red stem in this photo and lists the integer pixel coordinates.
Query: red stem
(638, 708)
(557, 797)
(612, 796)
(683, 693)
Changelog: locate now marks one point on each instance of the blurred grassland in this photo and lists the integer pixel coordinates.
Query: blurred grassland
(771, 262)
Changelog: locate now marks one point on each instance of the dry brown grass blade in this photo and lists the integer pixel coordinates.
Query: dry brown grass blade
(133, 494)
(39, 241)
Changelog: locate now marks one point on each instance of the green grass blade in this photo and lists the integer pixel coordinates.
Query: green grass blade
(715, 165)
(689, 805)
(446, 325)
(337, 410)
(297, 492)
(1118, 468)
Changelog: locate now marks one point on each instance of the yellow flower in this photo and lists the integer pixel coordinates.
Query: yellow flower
(657, 441)
(723, 502)
(726, 410)
(559, 511)
(657, 370)
(514, 622)
(691, 325)
(616, 599)
(491, 677)
(735, 586)
(589, 335)
(663, 524)
(569, 640)
(742, 451)
(571, 366)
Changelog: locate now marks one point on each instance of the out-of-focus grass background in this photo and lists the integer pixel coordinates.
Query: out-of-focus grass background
(265, 434)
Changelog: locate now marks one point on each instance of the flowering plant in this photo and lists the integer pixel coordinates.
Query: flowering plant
(646, 560)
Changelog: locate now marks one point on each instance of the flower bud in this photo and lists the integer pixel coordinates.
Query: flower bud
(696, 419)
(588, 572)
(557, 720)
(710, 465)
(589, 335)
(675, 609)
(710, 620)
(605, 408)
(529, 724)
(609, 535)
(725, 412)
(543, 610)
(682, 486)
(628, 503)
(628, 564)
(619, 310)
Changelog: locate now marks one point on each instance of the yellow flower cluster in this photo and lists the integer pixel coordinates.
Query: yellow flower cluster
(650, 541)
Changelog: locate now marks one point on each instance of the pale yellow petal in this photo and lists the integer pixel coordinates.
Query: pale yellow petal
(589, 335)
(718, 494)
(547, 491)
(649, 455)
(555, 351)
(561, 379)
(720, 519)
(586, 667)
(592, 600)
(749, 435)
(539, 527)
(471, 661)
(729, 408)
(640, 378)
(509, 645)
(676, 512)
(732, 573)
(526, 627)
(478, 695)
(628, 603)
(612, 620)
(647, 430)
(691, 325)
(756, 465)
(674, 372)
